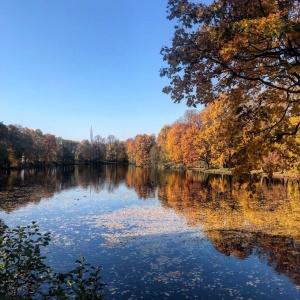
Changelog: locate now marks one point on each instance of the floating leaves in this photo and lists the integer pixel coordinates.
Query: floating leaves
(130, 224)
(193, 238)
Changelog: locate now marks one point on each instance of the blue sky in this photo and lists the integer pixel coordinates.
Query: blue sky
(68, 64)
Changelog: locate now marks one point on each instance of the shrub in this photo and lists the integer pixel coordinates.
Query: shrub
(24, 274)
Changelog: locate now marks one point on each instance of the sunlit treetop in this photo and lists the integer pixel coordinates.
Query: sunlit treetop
(231, 43)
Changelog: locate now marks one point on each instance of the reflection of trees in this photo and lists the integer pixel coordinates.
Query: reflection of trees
(28, 186)
(20, 188)
(143, 181)
(103, 177)
(281, 253)
(240, 221)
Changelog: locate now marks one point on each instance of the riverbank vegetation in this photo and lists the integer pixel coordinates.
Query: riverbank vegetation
(21, 147)
(25, 275)
(241, 62)
(208, 139)
(197, 140)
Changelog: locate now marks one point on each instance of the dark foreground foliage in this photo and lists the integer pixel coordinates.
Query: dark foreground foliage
(24, 274)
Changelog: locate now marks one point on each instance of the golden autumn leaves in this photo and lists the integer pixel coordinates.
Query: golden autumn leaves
(138, 150)
(241, 58)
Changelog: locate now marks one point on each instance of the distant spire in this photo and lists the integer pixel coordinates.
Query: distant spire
(91, 134)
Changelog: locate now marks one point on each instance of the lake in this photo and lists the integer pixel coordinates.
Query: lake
(162, 234)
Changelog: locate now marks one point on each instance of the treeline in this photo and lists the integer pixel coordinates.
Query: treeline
(21, 147)
(216, 137)
(210, 138)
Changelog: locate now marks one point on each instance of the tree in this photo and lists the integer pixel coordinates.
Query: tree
(191, 146)
(174, 142)
(111, 148)
(3, 132)
(252, 45)
(154, 157)
(122, 156)
(246, 55)
(219, 132)
(164, 156)
(28, 144)
(50, 148)
(130, 150)
(142, 147)
(83, 152)
(38, 148)
(189, 115)
(98, 149)
(66, 150)
(15, 148)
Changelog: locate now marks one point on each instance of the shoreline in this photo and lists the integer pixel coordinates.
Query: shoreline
(264, 174)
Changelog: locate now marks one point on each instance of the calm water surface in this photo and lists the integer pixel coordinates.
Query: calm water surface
(164, 234)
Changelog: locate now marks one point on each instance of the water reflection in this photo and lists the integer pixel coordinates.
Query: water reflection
(282, 253)
(240, 222)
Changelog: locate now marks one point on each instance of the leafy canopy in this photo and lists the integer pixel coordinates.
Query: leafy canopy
(250, 48)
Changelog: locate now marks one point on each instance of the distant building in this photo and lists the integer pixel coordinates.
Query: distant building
(91, 134)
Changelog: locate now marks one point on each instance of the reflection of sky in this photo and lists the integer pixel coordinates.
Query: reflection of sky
(70, 204)
(151, 259)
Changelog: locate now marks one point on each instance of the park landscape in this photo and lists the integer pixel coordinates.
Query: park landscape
(207, 209)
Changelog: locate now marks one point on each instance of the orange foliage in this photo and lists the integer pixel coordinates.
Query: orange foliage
(190, 146)
(140, 148)
(130, 150)
(174, 142)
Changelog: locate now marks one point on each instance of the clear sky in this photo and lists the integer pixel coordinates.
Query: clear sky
(68, 64)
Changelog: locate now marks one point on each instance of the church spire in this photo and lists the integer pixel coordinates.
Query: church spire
(91, 134)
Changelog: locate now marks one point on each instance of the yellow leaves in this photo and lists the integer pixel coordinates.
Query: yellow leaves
(254, 32)
(174, 146)
(260, 26)
(236, 131)
(139, 149)
(190, 146)
(227, 53)
(249, 32)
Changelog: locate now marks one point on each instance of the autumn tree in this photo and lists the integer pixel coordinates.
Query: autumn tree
(164, 155)
(142, 147)
(174, 143)
(83, 152)
(98, 149)
(19, 145)
(190, 146)
(38, 149)
(245, 48)
(219, 134)
(217, 46)
(66, 150)
(122, 156)
(111, 148)
(130, 150)
(50, 148)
